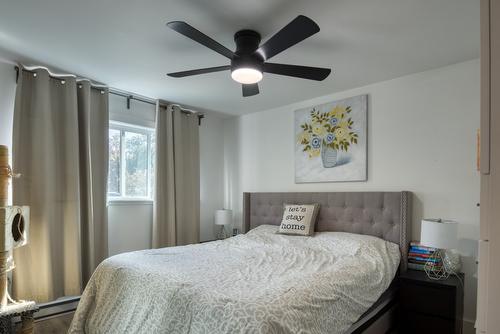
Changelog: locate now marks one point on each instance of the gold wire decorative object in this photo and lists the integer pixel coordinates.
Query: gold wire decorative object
(435, 268)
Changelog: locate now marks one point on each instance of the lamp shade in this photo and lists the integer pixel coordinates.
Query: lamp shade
(223, 217)
(439, 234)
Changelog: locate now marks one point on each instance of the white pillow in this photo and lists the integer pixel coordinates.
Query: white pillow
(299, 219)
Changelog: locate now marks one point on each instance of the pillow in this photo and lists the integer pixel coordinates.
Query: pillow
(299, 219)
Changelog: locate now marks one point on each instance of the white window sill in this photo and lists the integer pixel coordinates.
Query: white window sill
(129, 201)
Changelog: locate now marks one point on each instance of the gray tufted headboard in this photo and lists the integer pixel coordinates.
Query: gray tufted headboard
(382, 214)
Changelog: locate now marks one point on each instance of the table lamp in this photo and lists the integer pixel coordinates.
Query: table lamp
(223, 217)
(441, 235)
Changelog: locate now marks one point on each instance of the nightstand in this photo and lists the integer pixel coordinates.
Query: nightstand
(430, 306)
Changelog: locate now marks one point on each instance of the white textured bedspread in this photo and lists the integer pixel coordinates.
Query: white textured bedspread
(259, 282)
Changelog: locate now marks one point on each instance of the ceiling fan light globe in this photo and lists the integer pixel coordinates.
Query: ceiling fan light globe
(246, 75)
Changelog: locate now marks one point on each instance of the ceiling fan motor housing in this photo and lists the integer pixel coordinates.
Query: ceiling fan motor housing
(247, 42)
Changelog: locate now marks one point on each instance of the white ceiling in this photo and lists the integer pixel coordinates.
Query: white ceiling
(125, 43)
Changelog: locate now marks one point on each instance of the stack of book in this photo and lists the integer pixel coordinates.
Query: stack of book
(419, 255)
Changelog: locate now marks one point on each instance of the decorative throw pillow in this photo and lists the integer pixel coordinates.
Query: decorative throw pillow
(299, 219)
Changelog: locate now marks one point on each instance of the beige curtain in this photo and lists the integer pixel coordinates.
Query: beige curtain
(176, 217)
(60, 146)
(93, 135)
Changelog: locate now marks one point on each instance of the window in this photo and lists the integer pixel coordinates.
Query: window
(131, 162)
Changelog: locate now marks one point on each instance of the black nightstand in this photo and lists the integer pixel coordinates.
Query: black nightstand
(430, 306)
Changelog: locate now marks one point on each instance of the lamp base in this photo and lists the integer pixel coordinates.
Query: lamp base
(222, 233)
(435, 268)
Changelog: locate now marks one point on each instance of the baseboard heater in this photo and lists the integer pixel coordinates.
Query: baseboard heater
(56, 307)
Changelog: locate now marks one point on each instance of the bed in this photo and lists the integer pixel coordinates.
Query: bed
(386, 215)
(262, 282)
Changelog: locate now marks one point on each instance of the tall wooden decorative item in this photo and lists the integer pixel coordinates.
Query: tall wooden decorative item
(5, 174)
(14, 225)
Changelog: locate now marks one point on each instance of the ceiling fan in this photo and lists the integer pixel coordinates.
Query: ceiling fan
(249, 60)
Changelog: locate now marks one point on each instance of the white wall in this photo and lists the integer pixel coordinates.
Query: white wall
(211, 173)
(140, 113)
(421, 138)
(7, 94)
(129, 226)
(130, 223)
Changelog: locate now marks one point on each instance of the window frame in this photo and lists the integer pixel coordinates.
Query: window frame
(149, 132)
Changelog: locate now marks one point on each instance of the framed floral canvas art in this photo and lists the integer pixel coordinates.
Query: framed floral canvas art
(330, 141)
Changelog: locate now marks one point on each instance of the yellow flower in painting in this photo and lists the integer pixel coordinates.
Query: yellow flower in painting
(341, 133)
(304, 137)
(319, 130)
(314, 153)
(344, 124)
(337, 112)
(332, 129)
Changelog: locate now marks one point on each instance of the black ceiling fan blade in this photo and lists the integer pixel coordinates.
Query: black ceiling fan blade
(196, 35)
(199, 71)
(294, 32)
(250, 90)
(304, 72)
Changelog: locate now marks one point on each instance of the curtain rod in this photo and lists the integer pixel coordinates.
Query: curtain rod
(117, 92)
(60, 77)
(152, 102)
